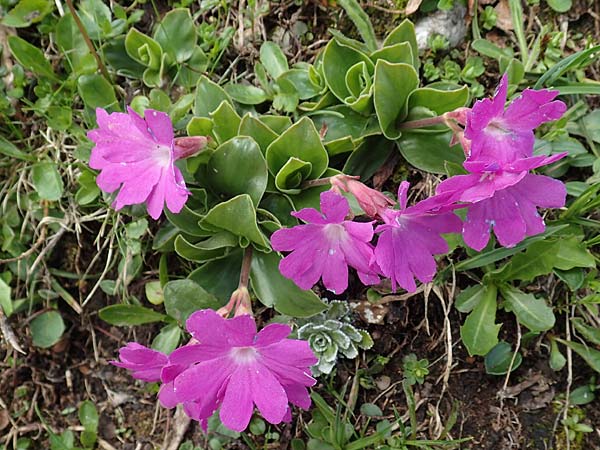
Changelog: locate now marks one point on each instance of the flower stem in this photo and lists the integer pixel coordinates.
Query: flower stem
(421, 123)
(88, 41)
(245, 272)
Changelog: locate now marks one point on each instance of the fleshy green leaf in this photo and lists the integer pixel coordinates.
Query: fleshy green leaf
(273, 59)
(498, 360)
(209, 96)
(291, 175)
(47, 329)
(273, 289)
(183, 297)
(47, 180)
(393, 84)
(176, 34)
(27, 12)
(430, 151)
(143, 49)
(237, 216)
(257, 130)
(479, 333)
(405, 32)
(96, 92)
(337, 60)
(246, 94)
(361, 21)
(238, 167)
(220, 277)
(214, 247)
(439, 97)
(168, 339)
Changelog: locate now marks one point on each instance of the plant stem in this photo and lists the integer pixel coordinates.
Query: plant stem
(88, 41)
(421, 123)
(245, 272)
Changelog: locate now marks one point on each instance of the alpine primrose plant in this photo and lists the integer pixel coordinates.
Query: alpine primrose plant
(227, 365)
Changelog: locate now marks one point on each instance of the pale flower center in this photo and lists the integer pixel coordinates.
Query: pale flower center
(162, 155)
(244, 355)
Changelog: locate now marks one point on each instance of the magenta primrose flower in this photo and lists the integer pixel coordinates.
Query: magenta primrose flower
(503, 195)
(410, 237)
(499, 135)
(326, 245)
(145, 364)
(232, 367)
(137, 156)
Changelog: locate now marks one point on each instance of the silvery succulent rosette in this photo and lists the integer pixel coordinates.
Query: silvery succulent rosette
(330, 334)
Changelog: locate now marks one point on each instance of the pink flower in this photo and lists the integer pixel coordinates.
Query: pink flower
(145, 363)
(411, 236)
(502, 136)
(505, 201)
(235, 368)
(137, 157)
(326, 246)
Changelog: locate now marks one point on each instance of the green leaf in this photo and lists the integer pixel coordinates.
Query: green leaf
(96, 92)
(47, 180)
(27, 12)
(237, 216)
(5, 300)
(491, 256)
(214, 247)
(209, 96)
(557, 360)
(590, 355)
(337, 60)
(368, 157)
(9, 149)
(273, 59)
(154, 292)
(128, 315)
(47, 329)
(479, 333)
(541, 257)
(220, 277)
(301, 141)
(88, 416)
(71, 42)
(560, 6)
(168, 339)
(273, 289)
(31, 57)
(397, 53)
(487, 48)
(430, 151)
(532, 312)
(176, 35)
(470, 298)
(579, 59)
(191, 70)
(291, 175)
(183, 297)
(498, 360)
(405, 32)
(246, 94)
(302, 83)
(226, 122)
(591, 334)
(257, 130)
(238, 167)
(393, 84)
(439, 100)
(143, 49)
(286, 97)
(361, 21)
